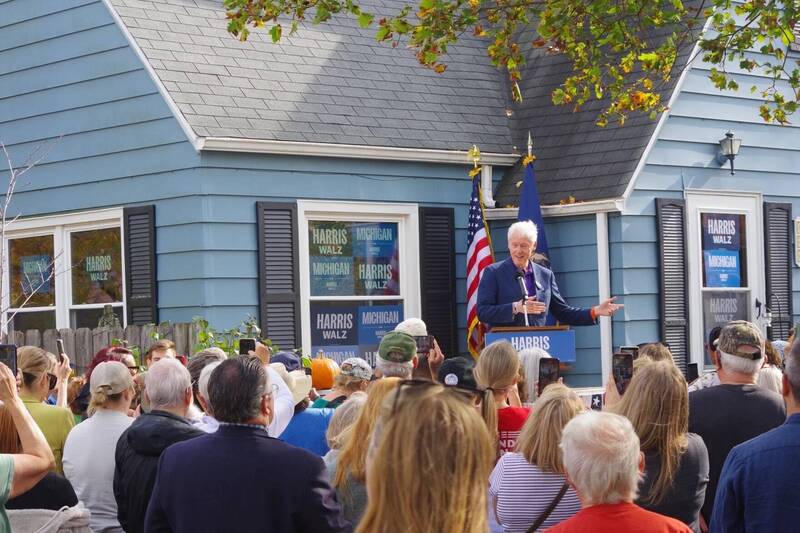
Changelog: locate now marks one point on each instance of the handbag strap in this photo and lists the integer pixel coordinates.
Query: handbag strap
(550, 508)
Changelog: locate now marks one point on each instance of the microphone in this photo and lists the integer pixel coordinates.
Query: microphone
(524, 288)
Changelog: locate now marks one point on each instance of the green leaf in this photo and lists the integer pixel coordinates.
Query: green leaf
(426, 4)
(275, 33)
(365, 19)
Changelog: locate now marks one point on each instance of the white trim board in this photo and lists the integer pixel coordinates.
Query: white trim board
(351, 151)
(604, 292)
(565, 210)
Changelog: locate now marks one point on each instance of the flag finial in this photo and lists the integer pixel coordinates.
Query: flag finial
(530, 145)
(474, 155)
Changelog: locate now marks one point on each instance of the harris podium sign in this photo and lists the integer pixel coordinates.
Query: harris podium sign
(558, 341)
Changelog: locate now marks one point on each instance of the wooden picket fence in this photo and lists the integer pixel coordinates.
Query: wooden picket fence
(81, 344)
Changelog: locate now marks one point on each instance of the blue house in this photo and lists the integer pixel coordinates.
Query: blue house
(321, 185)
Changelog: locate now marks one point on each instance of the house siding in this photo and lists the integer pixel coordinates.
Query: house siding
(684, 157)
(71, 84)
(573, 256)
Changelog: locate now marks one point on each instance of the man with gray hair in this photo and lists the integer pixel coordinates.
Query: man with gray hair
(737, 409)
(168, 387)
(761, 476)
(397, 356)
(603, 463)
(259, 483)
(519, 287)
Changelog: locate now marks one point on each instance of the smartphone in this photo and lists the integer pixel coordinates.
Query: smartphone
(692, 372)
(61, 350)
(622, 370)
(548, 372)
(8, 356)
(424, 343)
(246, 346)
(634, 350)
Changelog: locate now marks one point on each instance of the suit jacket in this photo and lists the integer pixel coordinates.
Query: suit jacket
(240, 479)
(499, 289)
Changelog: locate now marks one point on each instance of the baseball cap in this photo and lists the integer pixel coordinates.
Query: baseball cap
(357, 368)
(112, 376)
(458, 372)
(397, 347)
(741, 333)
(289, 360)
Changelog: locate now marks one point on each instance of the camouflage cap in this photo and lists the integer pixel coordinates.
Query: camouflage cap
(737, 334)
(397, 347)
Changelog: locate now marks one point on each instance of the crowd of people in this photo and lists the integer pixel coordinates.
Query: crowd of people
(420, 443)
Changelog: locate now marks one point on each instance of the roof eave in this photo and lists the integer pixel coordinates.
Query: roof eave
(562, 210)
(350, 151)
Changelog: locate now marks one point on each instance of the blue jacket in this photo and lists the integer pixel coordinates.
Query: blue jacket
(307, 430)
(239, 479)
(499, 289)
(760, 482)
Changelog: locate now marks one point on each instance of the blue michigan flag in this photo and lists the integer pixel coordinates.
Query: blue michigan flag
(531, 209)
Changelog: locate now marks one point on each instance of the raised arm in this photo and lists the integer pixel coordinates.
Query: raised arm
(36, 458)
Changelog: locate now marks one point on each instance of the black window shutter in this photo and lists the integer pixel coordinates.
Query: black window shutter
(278, 274)
(139, 231)
(437, 262)
(778, 251)
(671, 220)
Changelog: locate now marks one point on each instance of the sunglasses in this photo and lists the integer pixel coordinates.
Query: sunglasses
(474, 396)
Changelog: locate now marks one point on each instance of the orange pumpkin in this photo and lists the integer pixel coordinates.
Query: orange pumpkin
(323, 371)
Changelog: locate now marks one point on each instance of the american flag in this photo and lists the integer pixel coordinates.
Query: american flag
(479, 256)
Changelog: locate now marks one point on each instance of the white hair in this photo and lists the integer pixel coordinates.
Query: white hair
(523, 228)
(391, 369)
(166, 382)
(529, 358)
(601, 456)
(740, 365)
(413, 326)
(202, 382)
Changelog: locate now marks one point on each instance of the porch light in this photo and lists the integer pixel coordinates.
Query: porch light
(729, 149)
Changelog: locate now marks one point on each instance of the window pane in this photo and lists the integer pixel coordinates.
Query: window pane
(90, 318)
(97, 266)
(352, 329)
(31, 271)
(41, 320)
(724, 250)
(353, 258)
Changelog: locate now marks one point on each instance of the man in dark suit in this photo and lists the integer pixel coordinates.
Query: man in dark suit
(502, 302)
(240, 479)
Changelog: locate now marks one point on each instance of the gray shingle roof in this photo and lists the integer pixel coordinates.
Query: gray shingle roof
(575, 157)
(330, 83)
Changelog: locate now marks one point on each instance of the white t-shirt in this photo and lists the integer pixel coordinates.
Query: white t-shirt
(523, 492)
(89, 465)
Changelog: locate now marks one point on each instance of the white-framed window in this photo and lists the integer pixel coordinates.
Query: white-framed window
(359, 274)
(61, 271)
(726, 262)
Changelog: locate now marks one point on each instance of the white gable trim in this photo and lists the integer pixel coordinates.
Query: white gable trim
(663, 118)
(350, 151)
(187, 129)
(579, 208)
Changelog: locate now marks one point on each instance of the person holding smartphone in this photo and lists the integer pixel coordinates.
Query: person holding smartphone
(37, 371)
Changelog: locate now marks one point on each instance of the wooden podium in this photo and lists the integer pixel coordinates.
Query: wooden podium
(558, 341)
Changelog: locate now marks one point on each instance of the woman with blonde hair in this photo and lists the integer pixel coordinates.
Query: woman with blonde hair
(529, 361)
(349, 471)
(527, 482)
(497, 373)
(354, 376)
(36, 369)
(676, 461)
(430, 456)
(89, 453)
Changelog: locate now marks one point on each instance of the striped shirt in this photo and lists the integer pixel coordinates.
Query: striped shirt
(523, 492)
